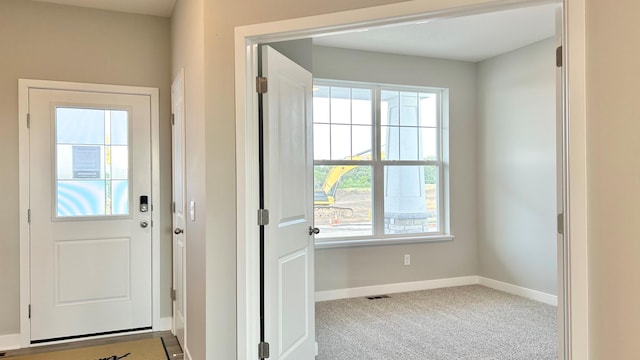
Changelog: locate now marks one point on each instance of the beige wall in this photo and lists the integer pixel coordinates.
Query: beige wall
(376, 265)
(51, 42)
(187, 47)
(517, 167)
(613, 177)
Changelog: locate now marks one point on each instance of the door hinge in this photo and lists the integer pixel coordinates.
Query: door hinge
(29, 216)
(263, 350)
(173, 119)
(173, 294)
(263, 217)
(29, 311)
(173, 207)
(559, 56)
(561, 224)
(261, 85)
(28, 121)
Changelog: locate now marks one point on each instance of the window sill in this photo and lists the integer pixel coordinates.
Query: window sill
(385, 241)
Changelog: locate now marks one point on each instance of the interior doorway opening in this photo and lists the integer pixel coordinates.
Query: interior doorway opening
(246, 41)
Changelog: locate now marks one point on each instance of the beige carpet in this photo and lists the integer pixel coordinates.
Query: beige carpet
(149, 349)
(459, 323)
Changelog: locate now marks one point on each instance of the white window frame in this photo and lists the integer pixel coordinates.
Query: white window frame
(378, 165)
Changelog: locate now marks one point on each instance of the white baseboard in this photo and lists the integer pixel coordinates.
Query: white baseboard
(394, 288)
(435, 284)
(10, 342)
(518, 290)
(166, 323)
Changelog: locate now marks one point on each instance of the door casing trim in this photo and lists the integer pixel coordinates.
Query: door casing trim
(178, 78)
(23, 156)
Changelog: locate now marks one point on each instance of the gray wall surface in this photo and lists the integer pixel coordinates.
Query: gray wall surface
(375, 265)
(517, 167)
(300, 51)
(51, 42)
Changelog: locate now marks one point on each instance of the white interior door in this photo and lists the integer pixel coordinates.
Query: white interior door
(179, 207)
(90, 207)
(288, 169)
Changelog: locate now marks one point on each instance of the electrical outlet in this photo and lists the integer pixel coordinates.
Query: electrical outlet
(407, 259)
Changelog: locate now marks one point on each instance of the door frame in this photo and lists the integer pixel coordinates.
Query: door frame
(574, 268)
(24, 154)
(178, 79)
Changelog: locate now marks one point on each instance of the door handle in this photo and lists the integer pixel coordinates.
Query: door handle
(313, 230)
(178, 231)
(144, 224)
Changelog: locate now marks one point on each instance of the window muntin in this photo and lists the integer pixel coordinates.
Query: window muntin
(383, 146)
(92, 162)
(342, 122)
(409, 119)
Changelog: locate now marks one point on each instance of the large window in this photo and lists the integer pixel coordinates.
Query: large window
(379, 165)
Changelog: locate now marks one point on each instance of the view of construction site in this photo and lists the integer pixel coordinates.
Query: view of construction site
(348, 212)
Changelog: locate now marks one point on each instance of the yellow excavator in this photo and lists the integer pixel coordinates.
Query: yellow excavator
(324, 197)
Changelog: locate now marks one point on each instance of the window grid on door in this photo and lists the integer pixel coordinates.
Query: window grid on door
(92, 162)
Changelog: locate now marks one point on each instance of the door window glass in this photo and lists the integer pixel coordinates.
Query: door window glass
(92, 162)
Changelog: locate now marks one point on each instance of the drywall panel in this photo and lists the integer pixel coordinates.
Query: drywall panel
(517, 167)
(613, 178)
(300, 51)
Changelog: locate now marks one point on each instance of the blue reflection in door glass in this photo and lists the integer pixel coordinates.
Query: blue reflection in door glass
(81, 198)
(120, 195)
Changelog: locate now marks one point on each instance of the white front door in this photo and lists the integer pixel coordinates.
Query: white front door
(90, 213)
(288, 190)
(179, 207)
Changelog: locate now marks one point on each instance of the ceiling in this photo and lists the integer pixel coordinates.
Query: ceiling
(468, 38)
(162, 8)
